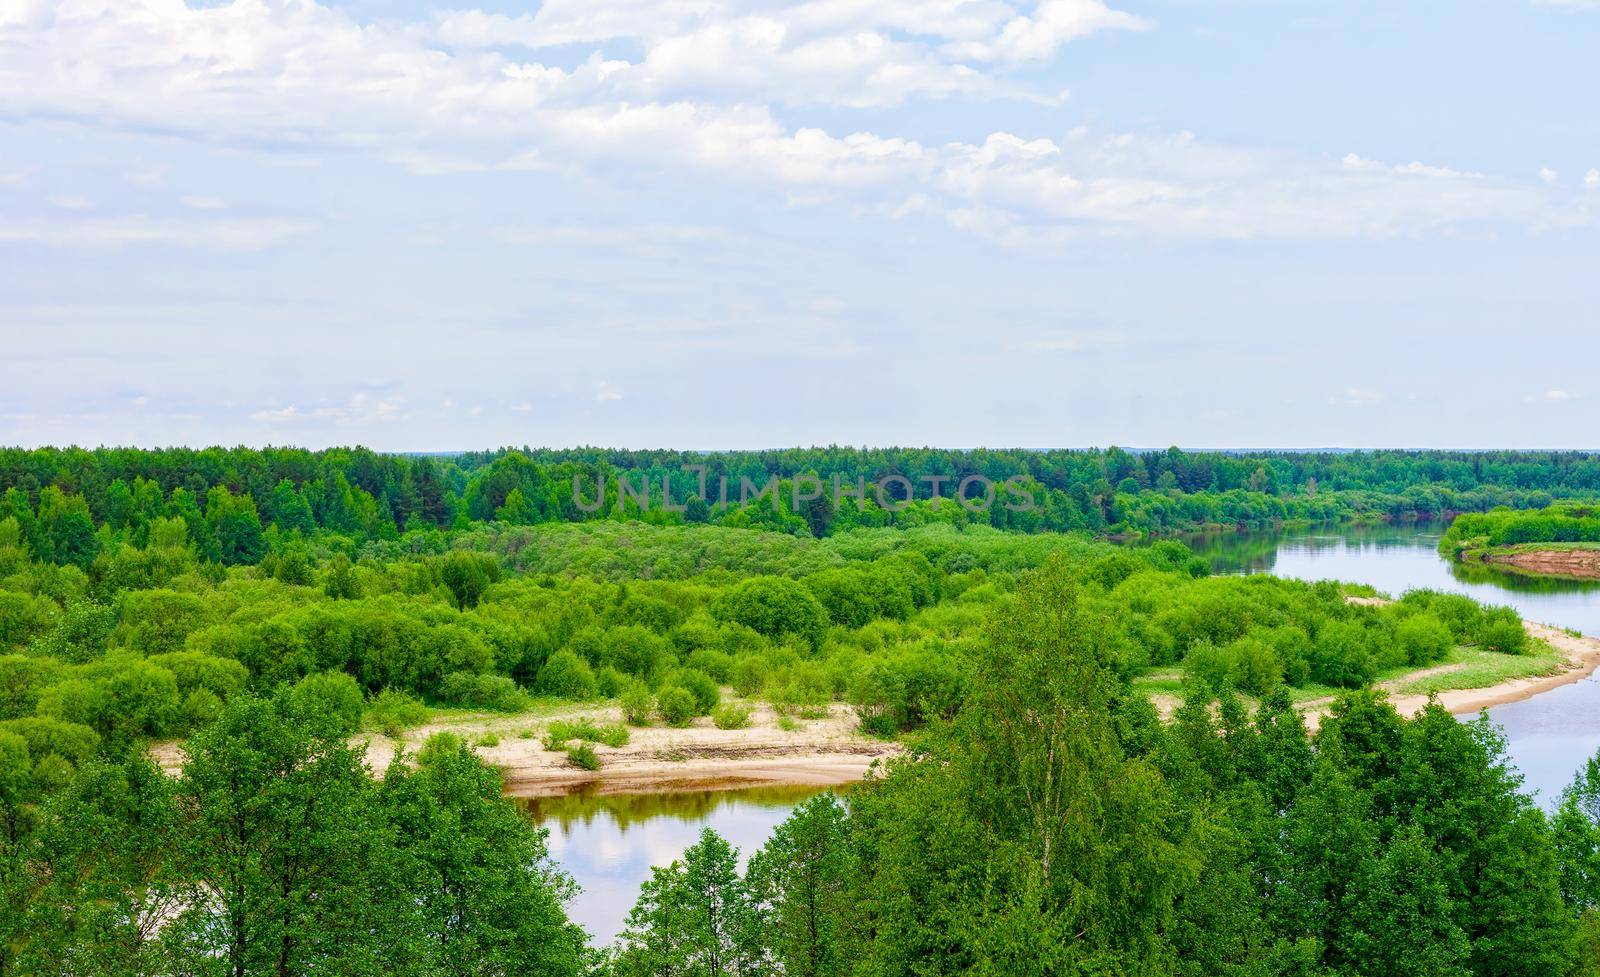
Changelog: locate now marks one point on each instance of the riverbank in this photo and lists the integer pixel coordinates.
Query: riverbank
(820, 752)
(1574, 561)
(1580, 656)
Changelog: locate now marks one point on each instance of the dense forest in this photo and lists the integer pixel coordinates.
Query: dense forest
(67, 501)
(1044, 820)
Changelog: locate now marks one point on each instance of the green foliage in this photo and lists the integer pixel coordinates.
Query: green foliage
(496, 692)
(583, 757)
(333, 698)
(731, 715)
(676, 706)
(1426, 639)
(468, 575)
(392, 712)
(700, 685)
(567, 676)
(562, 730)
(693, 917)
(638, 704)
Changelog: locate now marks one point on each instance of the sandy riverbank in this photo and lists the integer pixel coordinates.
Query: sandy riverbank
(1581, 656)
(821, 752)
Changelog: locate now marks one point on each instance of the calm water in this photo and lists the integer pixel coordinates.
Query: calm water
(1550, 735)
(609, 843)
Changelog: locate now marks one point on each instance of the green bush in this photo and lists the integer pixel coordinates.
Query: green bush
(392, 712)
(331, 697)
(612, 734)
(202, 707)
(496, 692)
(1424, 638)
(749, 674)
(583, 757)
(567, 676)
(676, 706)
(1501, 630)
(608, 682)
(731, 715)
(717, 664)
(637, 702)
(702, 686)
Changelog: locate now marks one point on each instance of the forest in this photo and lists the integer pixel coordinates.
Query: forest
(228, 498)
(1044, 819)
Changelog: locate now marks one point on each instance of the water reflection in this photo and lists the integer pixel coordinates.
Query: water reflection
(608, 842)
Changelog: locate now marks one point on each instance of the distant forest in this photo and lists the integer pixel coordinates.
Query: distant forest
(233, 500)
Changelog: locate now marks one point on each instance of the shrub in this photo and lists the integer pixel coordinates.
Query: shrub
(702, 686)
(1424, 638)
(608, 682)
(583, 757)
(676, 706)
(331, 697)
(1502, 631)
(905, 691)
(731, 715)
(489, 739)
(392, 712)
(1342, 655)
(637, 702)
(717, 664)
(202, 707)
(567, 676)
(496, 692)
(613, 735)
(749, 674)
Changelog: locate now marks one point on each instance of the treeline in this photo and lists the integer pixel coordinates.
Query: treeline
(1055, 826)
(237, 503)
(1563, 523)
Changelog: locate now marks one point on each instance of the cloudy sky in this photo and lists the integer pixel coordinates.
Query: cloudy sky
(747, 223)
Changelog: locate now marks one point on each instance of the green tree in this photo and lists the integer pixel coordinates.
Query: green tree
(800, 881)
(488, 900)
(285, 834)
(694, 918)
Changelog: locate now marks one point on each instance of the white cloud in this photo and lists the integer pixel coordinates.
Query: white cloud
(838, 52)
(1548, 175)
(71, 202)
(1553, 396)
(204, 203)
(111, 232)
(1592, 178)
(298, 76)
(1569, 4)
(604, 391)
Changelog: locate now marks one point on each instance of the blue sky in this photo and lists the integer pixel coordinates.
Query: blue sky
(746, 223)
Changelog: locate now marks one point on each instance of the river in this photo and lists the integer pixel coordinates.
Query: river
(609, 843)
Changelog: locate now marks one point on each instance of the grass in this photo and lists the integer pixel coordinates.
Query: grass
(1477, 669)
(789, 724)
(1481, 669)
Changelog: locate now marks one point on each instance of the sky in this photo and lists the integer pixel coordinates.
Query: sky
(756, 223)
